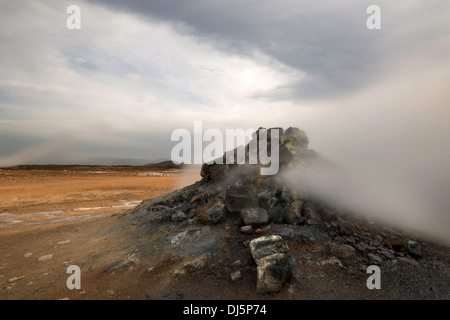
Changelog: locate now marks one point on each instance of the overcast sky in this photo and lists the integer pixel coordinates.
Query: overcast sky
(137, 70)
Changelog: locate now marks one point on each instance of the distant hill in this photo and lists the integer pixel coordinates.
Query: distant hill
(165, 163)
(113, 162)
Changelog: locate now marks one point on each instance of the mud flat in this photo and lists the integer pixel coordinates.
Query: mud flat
(50, 217)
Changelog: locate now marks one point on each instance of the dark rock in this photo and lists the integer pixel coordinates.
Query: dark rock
(344, 227)
(287, 233)
(277, 214)
(349, 240)
(204, 170)
(237, 264)
(240, 197)
(338, 239)
(218, 171)
(374, 243)
(179, 216)
(285, 156)
(361, 246)
(248, 173)
(254, 216)
(293, 213)
(374, 259)
(267, 199)
(310, 212)
(273, 272)
(409, 261)
(210, 212)
(294, 138)
(387, 254)
(159, 214)
(327, 215)
(414, 249)
(309, 235)
(286, 196)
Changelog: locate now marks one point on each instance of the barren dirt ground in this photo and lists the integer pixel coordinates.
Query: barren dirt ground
(50, 219)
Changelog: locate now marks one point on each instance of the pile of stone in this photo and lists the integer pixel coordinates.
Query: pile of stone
(238, 192)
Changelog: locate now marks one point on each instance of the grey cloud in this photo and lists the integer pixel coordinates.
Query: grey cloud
(327, 40)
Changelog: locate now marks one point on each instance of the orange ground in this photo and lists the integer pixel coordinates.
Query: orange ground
(45, 212)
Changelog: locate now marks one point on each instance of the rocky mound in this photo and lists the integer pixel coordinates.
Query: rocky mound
(233, 208)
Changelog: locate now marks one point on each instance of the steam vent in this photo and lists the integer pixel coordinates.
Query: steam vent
(237, 225)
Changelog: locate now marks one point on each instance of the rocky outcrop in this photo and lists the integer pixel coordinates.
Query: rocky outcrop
(196, 220)
(254, 216)
(210, 212)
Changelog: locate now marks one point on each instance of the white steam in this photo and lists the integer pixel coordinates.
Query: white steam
(393, 142)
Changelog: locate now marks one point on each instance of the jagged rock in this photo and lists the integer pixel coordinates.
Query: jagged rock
(374, 259)
(294, 139)
(228, 192)
(267, 245)
(310, 212)
(277, 214)
(310, 234)
(267, 198)
(179, 216)
(361, 246)
(273, 272)
(409, 261)
(204, 170)
(349, 240)
(248, 173)
(240, 197)
(294, 213)
(285, 156)
(254, 216)
(287, 233)
(387, 254)
(326, 214)
(159, 213)
(344, 227)
(218, 171)
(414, 249)
(210, 212)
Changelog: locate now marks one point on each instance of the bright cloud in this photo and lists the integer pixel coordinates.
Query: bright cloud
(120, 74)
